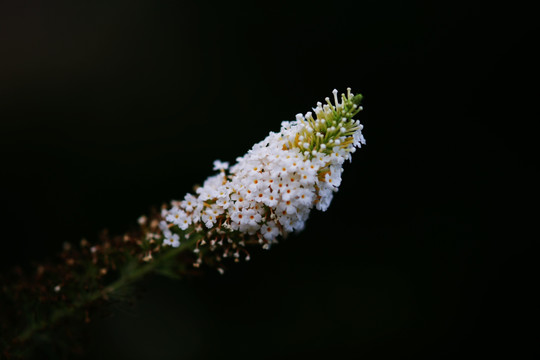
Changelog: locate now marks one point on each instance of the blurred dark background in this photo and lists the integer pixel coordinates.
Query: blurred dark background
(110, 108)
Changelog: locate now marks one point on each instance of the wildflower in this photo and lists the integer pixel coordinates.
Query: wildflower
(171, 239)
(270, 231)
(218, 165)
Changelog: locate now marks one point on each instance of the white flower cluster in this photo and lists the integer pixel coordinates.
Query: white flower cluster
(271, 190)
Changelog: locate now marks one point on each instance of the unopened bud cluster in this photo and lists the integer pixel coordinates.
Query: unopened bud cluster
(271, 190)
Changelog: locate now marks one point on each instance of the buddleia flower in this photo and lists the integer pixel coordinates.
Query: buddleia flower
(270, 191)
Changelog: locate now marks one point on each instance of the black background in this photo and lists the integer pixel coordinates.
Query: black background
(109, 108)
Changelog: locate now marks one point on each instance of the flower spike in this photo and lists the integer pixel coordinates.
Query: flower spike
(271, 190)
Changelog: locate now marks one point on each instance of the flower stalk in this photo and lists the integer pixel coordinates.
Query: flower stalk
(267, 194)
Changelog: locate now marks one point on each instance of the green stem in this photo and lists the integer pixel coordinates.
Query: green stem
(124, 280)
